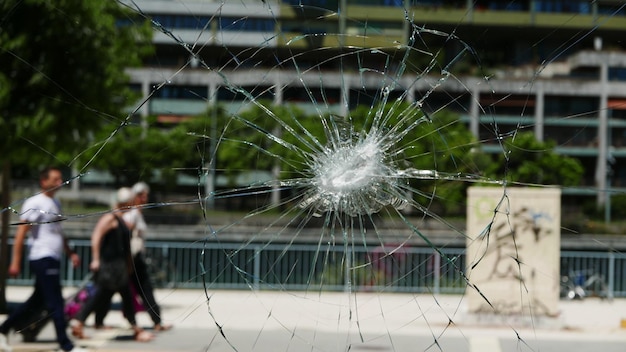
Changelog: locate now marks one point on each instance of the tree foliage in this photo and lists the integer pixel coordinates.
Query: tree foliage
(139, 153)
(198, 134)
(62, 74)
(272, 135)
(62, 78)
(530, 161)
(243, 141)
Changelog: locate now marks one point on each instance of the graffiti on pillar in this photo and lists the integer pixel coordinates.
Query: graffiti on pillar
(513, 244)
(506, 244)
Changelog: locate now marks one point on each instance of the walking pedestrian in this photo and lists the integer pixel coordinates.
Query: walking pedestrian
(41, 216)
(140, 278)
(112, 265)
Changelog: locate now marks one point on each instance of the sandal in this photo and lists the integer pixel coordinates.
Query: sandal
(77, 329)
(143, 336)
(162, 327)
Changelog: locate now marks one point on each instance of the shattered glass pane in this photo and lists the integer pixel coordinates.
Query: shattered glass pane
(350, 142)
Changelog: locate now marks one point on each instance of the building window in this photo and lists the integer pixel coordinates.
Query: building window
(569, 107)
(571, 136)
(225, 94)
(182, 92)
(320, 3)
(182, 21)
(246, 24)
(611, 9)
(394, 3)
(312, 95)
(617, 73)
(428, 3)
(437, 100)
(502, 5)
(511, 105)
(559, 6)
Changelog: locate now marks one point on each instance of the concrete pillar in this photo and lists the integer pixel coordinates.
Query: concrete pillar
(469, 7)
(345, 96)
(278, 91)
(406, 26)
(75, 185)
(144, 111)
(539, 111)
(209, 187)
(475, 112)
(343, 8)
(410, 93)
(276, 169)
(513, 252)
(601, 167)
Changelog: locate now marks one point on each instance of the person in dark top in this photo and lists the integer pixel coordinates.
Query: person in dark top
(110, 240)
(140, 278)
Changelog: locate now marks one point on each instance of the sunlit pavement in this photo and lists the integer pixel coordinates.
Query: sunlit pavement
(318, 321)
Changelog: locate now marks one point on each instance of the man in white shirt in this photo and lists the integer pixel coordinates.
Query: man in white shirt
(41, 216)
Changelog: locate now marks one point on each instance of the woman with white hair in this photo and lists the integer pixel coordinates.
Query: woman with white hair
(112, 266)
(141, 278)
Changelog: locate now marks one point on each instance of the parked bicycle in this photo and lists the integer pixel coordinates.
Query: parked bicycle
(580, 284)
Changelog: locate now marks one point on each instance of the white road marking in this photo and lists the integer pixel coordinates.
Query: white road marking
(484, 344)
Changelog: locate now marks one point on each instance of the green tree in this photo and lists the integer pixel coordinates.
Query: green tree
(136, 152)
(530, 161)
(197, 136)
(61, 76)
(263, 137)
(279, 134)
(245, 141)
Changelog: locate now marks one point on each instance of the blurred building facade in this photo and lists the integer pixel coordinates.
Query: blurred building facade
(557, 68)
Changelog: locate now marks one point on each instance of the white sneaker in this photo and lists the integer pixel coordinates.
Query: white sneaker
(79, 349)
(4, 344)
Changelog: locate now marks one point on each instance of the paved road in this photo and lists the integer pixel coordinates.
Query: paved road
(282, 321)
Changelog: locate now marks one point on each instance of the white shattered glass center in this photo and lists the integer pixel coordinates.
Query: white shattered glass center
(354, 179)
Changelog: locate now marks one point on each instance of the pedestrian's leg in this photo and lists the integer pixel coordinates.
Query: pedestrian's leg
(47, 271)
(101, 297)
(128, 308)
(143, 285)
(101, 310)
(34, 303)
(129, 312)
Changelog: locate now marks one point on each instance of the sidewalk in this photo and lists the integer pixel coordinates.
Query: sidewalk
(328, 321)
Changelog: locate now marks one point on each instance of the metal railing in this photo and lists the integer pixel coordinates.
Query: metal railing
(323, 267)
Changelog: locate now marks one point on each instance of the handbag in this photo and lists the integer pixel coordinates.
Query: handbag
(113, 273)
